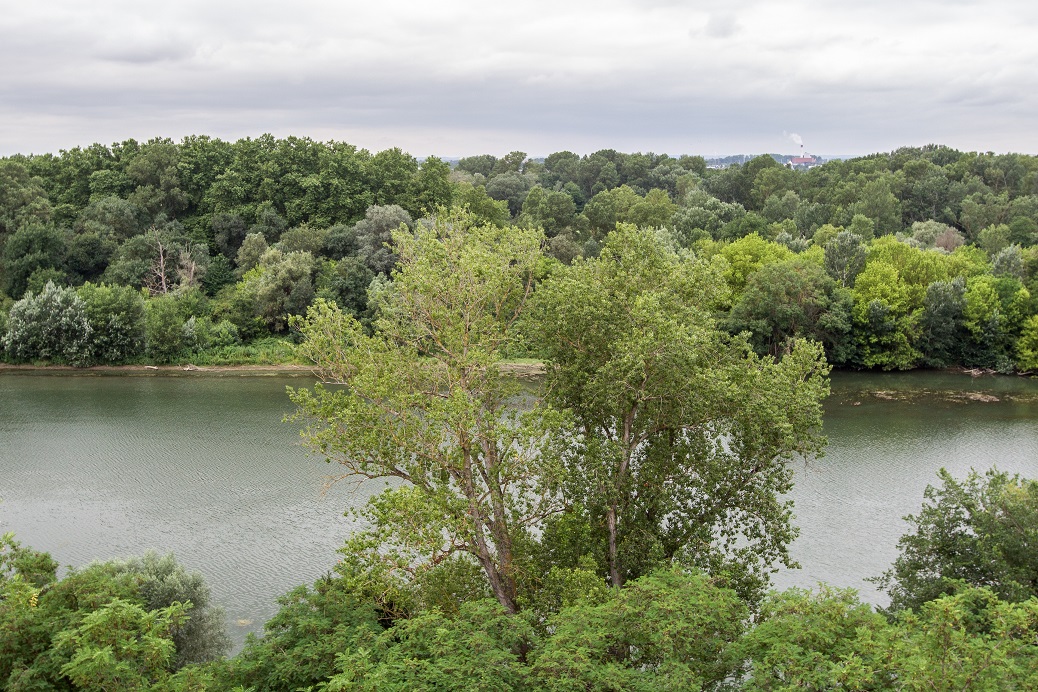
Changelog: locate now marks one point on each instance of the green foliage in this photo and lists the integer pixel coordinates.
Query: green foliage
(974, 532)
(162, 259)
(433, 186)
(786, 301)
(50, 326)
(969, 641)
(1009, 261)
(424, 402)
(374, 236)
(703, 215)
(1027, 345)
(844, 257)
(829, 640)
(162, 582)
(228, 233)
(510, 187)
(664, 631)
(994, 239)
(302, 642)
(116, 315)
(992, 315)
(32, 567)
(476, 650)
(103, 213)
(164, 329)
(482, 207)
(346, 284)
(340, 242)
(253, 247)
(33, 247)
(553, 211)
(655, 210)
(233, 305)
(217, 275)
(682, 433)
(930, 234)
(87, 256)
(609, 207)
(266, 351)
(747, 255)
(941, 335)
(883, 305)
(816, 641)
(877, 202)
(110, 215)
(279, 286)
(115, 625)
(23, 198)
(120, 646)
(391, 174)
(303, 238)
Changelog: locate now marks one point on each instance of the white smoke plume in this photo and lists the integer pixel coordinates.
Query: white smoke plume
(796, 139)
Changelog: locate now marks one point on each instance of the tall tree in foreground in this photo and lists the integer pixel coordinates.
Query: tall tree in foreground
(683, 434)
(423, 401)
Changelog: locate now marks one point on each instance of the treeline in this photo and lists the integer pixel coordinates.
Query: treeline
(963, 616)
(923, 257)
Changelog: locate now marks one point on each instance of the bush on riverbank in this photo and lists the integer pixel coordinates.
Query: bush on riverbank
(116, 325)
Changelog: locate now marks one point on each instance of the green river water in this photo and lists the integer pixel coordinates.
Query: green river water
(100, 467)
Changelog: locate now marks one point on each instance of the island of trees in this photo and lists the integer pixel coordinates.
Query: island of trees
(203, 250)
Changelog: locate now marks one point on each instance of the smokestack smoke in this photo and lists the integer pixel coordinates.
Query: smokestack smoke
(795, 138)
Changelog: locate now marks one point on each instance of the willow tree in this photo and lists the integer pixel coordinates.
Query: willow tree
(683, 434)
(422, 400)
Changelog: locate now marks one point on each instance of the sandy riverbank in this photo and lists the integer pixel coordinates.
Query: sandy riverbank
(523, 370)
(159, 370)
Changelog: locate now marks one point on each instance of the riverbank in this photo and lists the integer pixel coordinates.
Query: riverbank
(517, 369)
(181, 370)
(524, 369)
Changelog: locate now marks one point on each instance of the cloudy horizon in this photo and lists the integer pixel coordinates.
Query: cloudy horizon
(456, 79)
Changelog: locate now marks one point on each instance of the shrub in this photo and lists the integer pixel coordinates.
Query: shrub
(52, 325)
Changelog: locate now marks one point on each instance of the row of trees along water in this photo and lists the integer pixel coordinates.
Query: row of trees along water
(923, 257)
(616, 531)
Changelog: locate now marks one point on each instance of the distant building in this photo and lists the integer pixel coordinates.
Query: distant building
(804, 161)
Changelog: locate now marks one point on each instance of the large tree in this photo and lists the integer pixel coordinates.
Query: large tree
(683, 434)
(423, 401)
(790, 300)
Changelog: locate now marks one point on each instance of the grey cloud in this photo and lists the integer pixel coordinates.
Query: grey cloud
(721, 25)
(146, 54)
(621, 79)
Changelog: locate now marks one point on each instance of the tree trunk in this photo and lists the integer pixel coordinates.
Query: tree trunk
(614, 560)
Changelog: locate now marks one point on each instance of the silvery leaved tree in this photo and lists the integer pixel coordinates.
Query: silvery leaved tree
(52, 325)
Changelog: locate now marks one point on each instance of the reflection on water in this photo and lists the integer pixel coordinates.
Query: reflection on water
(92, 468)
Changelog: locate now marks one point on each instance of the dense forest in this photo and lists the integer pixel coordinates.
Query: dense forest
(204, 249)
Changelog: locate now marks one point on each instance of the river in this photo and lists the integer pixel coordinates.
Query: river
(101, 467)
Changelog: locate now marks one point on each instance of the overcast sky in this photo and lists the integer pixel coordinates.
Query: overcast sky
(456, 78)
